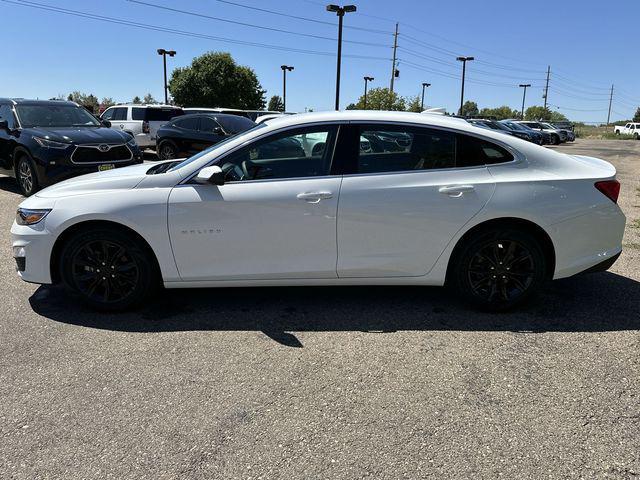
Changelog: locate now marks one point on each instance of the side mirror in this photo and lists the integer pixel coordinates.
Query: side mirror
(212, 174)
(4, 125)
(106, 123)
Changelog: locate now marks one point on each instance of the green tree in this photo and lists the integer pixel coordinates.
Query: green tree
(216, 80)
(90, 101)
(107, 102)
(148, 99)
(136, 100)
(469, 109)
(414, 104)
(379, 99)
(276, 104)
(500, 113)
(537, 113)
(636, 117)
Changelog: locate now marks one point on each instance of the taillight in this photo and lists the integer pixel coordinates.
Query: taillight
(610, 188)
(145, 127)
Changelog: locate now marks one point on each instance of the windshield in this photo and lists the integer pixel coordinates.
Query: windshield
(55, 116)
(549, 126)
(211, 149)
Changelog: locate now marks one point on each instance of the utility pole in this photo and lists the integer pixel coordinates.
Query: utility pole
(464, 61)
(393, 65)
(284, 68)
(610, 102)
(366, 80)
(339, 11)
(164, 53)
(546, 88)
(524, 95)
(424, 85)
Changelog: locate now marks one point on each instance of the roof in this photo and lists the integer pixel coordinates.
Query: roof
(29, 101)
(369, 116)
(144, 105)
(211, 115)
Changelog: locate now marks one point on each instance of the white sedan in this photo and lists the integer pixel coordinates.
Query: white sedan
(435, 200)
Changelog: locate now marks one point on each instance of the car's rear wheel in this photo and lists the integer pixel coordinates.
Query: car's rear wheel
(555, 139)
(500, 269)
(167, 151)
(26, 176)
(109, 269)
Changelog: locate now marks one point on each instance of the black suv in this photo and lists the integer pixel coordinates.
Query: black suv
(45, 141)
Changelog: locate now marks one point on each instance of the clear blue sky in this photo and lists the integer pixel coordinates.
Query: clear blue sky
(588, 44)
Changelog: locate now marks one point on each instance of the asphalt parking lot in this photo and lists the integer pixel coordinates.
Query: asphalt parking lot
(327, 383)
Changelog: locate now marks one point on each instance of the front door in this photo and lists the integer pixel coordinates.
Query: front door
(402, 201)
(274, 218)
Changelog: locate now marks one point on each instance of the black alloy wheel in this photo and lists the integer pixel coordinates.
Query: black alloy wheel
(108, 269)
(26, 176)
(501, 269)
(167, 151)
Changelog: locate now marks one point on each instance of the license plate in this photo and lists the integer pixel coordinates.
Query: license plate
(106, 166)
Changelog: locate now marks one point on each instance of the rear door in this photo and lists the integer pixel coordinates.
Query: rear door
(402, 202)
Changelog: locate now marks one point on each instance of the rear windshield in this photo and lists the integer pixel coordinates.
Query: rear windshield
(235, 124)
(155, 114)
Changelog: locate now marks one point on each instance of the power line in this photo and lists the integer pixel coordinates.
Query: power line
(185, 33)
(297, 17)
(245, 24)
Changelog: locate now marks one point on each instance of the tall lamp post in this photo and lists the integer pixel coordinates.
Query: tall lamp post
(339, 11)
(164, 53)
(424, 85)
(284, 68)
(464, 61)
(524, 95)
(366, 80)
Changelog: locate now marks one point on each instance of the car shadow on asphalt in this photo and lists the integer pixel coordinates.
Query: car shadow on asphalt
(587, 303)
(9, 184)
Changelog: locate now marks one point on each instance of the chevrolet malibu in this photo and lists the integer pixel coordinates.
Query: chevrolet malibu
(443, 202)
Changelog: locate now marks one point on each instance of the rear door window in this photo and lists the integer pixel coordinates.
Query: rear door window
(137, 113)
(119, 114)
(161, 114)
(187, 123)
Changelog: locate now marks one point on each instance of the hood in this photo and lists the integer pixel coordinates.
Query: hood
(124, 178)
(80, 134)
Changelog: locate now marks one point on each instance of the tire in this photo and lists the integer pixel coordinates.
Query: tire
(499, 269)
(635, 136)
(26, 175)
(167, 150)
(555, 140)
(110, 270)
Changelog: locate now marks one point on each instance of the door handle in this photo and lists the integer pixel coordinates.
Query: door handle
(314, 197)
(456, 190)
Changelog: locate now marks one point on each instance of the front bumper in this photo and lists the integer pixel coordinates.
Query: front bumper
(49, 173)
(32, 247)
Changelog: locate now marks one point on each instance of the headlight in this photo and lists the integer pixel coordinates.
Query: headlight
(26, 216)
(132, 143)
(43, 142)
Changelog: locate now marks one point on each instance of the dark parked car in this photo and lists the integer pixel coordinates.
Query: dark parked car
(495, 125)
(540, 138)
(45, 141)
(189, 134)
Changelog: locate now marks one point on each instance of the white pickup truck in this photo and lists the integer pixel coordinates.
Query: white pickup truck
(628, 129)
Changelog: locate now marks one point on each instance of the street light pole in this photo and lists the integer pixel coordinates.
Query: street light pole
(424, 85)
(524, 95)
(339, 11)
(366, 80)
(164, 53)
(464, 61)
(284, 68)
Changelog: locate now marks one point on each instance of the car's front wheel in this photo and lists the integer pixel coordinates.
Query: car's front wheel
(500, 269)
(167, 151)
(109, 269)
(26, 176)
